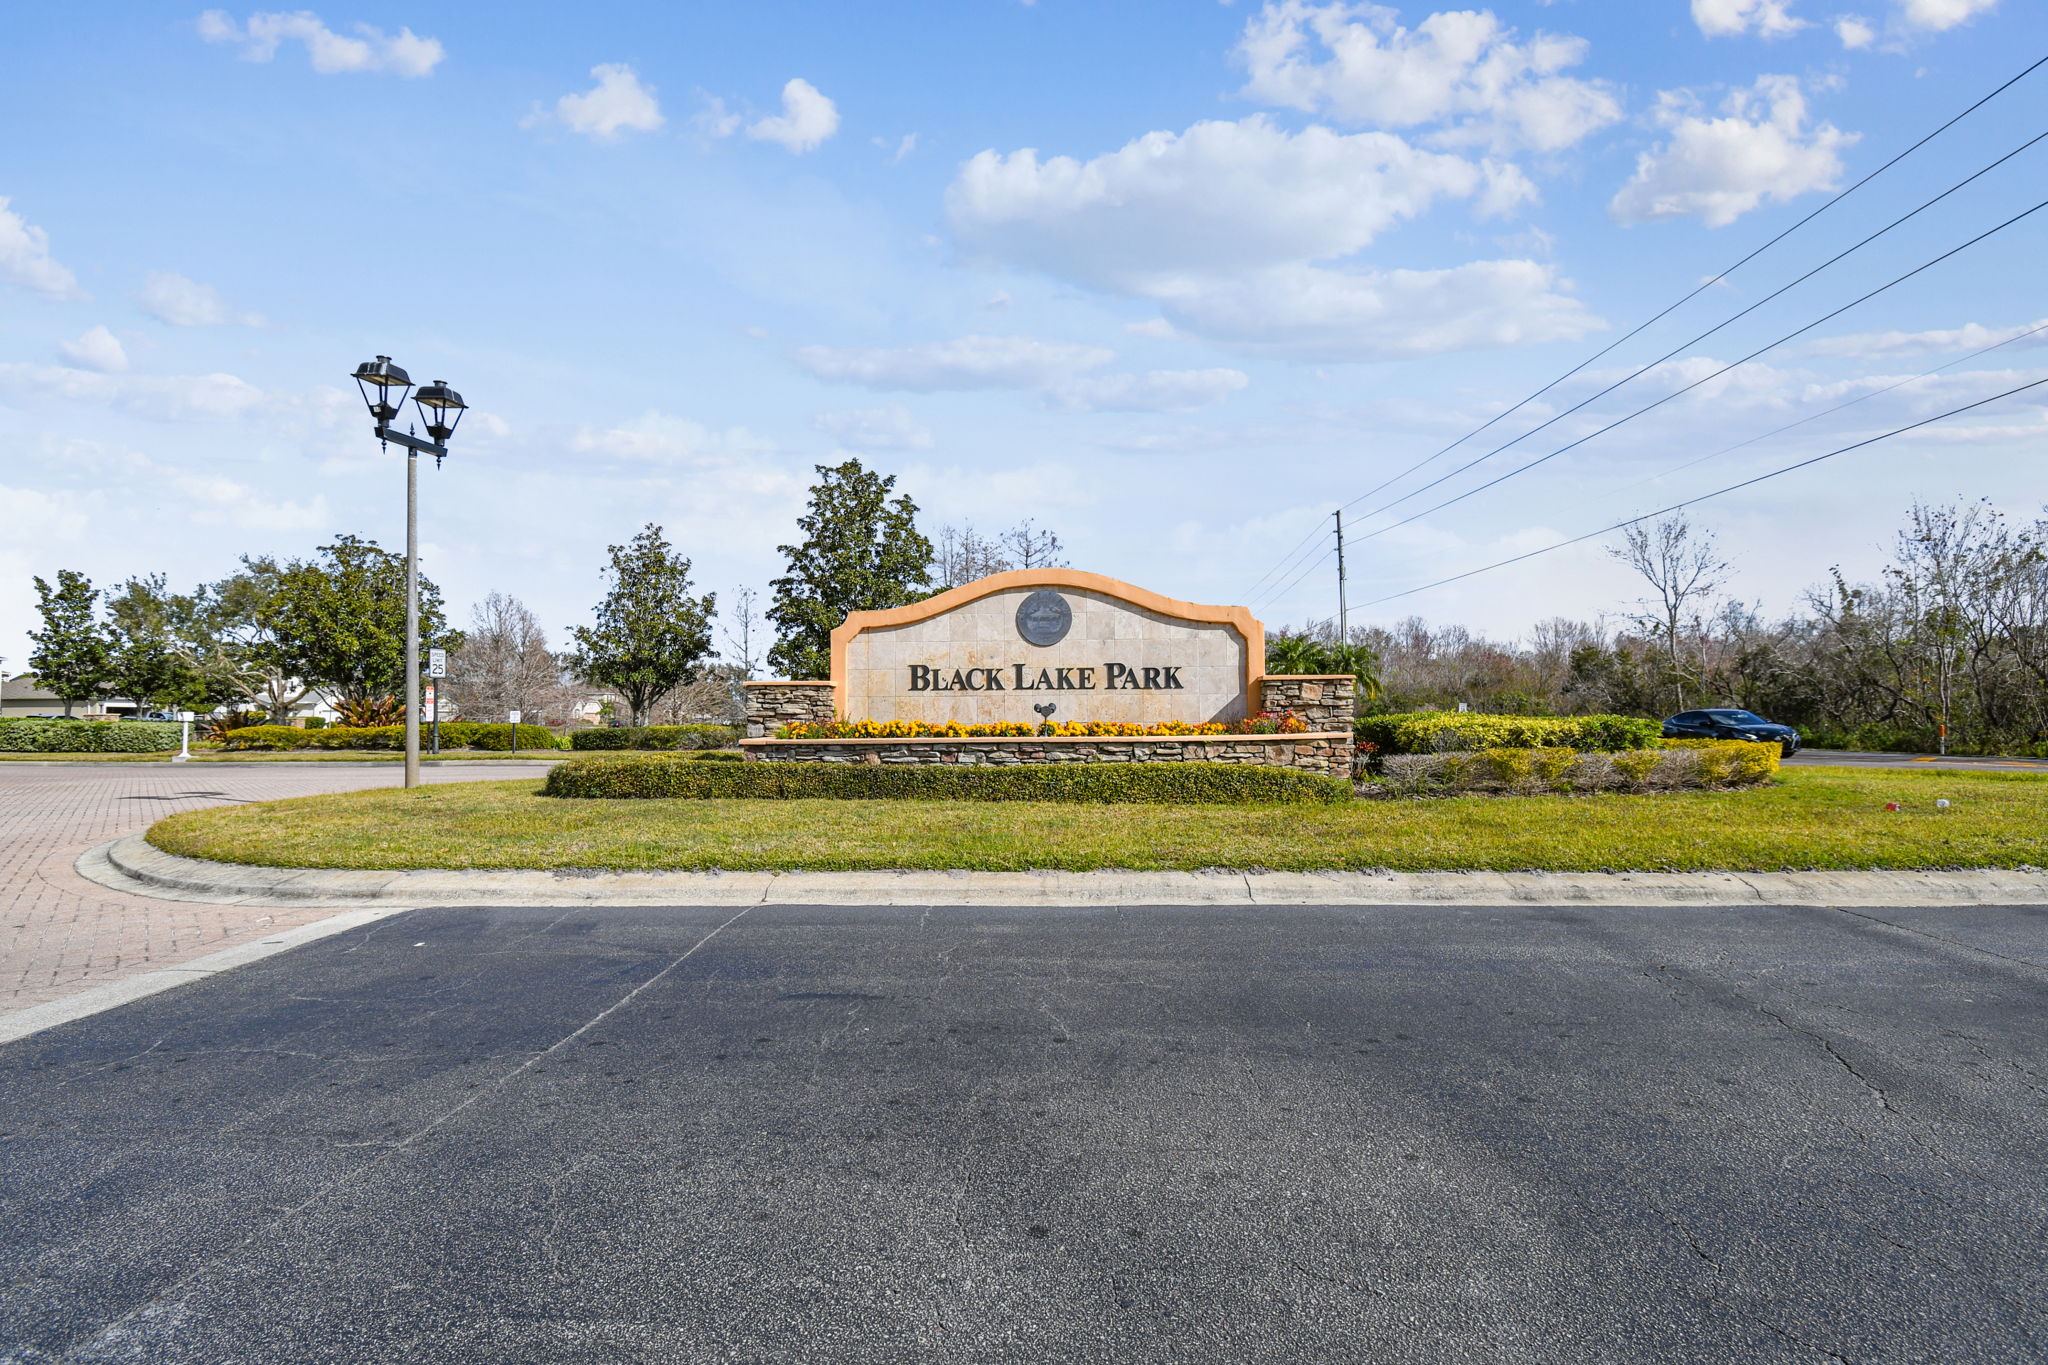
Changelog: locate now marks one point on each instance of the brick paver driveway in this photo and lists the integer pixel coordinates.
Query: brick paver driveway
(61, 934)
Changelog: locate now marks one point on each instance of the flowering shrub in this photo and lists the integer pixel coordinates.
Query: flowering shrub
(1264, 723)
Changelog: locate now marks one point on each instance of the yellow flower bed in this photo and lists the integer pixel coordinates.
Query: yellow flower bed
(1069, 729)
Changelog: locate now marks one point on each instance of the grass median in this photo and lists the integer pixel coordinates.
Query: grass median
(1811, 818)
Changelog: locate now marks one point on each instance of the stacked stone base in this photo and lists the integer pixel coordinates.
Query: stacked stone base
(1328, 752)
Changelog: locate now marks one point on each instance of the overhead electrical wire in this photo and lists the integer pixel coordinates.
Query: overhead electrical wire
(1703, 497)
(1685, 345)
(1688, 388)
(1827, 412)
(1764, 436)
(1710, 282)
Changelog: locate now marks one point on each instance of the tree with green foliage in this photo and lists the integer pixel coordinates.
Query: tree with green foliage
(338, 621)
(1301, 652)
(153, 663)
(651, 634)
(861, 552)
(73, 656)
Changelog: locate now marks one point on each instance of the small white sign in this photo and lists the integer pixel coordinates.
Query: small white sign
(185, 716)
(437, 663)
(514, 716)
(427, 703)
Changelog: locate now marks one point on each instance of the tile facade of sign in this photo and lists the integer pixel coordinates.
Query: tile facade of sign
(1116, 660)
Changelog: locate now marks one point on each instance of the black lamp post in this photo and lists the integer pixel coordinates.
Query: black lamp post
(440, 409)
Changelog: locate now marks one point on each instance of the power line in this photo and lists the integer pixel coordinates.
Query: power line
(1723, 275)
(1828, 412)
(1685, 345)
(1731, 488)
(1676, 393)
(1681, 302)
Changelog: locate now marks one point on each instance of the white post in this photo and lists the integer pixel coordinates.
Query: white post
(184, 754)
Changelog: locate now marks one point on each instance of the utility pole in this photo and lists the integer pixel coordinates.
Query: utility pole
(1343, 610)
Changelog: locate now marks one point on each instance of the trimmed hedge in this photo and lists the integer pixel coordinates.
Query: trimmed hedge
(655, 737)
(455, 734)
(1674, 765)
(87, 736)
(1208, 784)
(1430, 732)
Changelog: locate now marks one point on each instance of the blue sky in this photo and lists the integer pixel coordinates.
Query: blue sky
(1173, 279)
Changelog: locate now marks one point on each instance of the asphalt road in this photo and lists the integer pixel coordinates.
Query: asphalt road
(850, 1135)
(1963, 762)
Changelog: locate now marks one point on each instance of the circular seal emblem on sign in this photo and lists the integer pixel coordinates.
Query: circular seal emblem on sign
(1044, 618)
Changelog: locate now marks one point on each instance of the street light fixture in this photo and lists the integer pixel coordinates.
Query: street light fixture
(384, 387)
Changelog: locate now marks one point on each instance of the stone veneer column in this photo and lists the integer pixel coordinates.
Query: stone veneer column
(1325, 701)
(771, 705)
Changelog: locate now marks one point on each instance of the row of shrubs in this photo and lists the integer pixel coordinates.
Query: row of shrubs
(1429, 732)
(1175, 783)
(87, 736)
(1674, 765)
(455, 734)
(656, 737)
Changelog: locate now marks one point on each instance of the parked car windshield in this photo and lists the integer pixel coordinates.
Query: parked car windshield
(1738, 718)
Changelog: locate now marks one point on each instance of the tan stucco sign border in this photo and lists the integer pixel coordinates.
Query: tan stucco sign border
(1238, 618)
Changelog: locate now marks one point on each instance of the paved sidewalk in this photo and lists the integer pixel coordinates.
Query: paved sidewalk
(61, 934)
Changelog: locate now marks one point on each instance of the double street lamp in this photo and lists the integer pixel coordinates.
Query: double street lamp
(384, 387)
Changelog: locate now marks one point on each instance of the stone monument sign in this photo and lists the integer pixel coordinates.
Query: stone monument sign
(1048, 644)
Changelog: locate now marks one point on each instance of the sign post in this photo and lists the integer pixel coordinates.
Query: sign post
(437, 667)
(184, 754)
(513, 718)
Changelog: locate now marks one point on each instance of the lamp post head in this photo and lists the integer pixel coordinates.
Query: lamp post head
(442, 407)
(377, 378)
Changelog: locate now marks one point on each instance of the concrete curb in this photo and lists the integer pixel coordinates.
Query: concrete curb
(49, 1014)
(135, 866)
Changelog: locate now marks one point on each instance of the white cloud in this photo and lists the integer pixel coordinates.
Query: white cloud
(807, 119)
(618, 102)
(1152, 391)
(714, 119)
(1940, 15)
(98, 349)
(890, 428)
(658, 439)
(1461, 70)
(1221, 197)
(1854, 31)
(198, 397)
(1969, 337)
(1157, 329)
(404, 53)
(169, 297)
(1312, 312)
(1231, 228)
(899, 149)
(1732, 18)
(969, 362)
(1717, 169)
(25, 257)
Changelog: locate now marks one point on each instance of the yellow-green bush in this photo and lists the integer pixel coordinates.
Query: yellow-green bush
(1423, 732)
(1673, 767)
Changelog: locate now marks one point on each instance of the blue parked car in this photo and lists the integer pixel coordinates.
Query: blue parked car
(1723, 723)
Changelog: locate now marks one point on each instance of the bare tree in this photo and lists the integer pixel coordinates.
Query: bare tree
(1028, 547)
(963, 555)
(504, 663)
(742, 631)
(1684, 569)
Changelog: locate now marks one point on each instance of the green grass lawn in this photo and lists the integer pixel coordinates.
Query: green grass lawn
(1810, 818)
